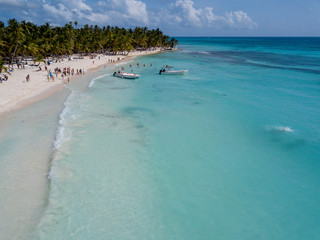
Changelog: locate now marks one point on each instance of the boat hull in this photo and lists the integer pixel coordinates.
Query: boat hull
(174, 72)
(126, 75)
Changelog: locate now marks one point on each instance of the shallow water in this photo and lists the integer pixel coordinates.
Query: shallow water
(228, 151)
(26, 137)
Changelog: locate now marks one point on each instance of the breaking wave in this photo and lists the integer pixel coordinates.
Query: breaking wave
(96, 78)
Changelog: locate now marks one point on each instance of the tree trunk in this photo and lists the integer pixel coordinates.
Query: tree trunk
(14, 53)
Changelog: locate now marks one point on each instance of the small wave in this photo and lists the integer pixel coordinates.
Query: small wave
(50, 173)
(280, 129)
(61, 135)
(205, 52)
(96, 78)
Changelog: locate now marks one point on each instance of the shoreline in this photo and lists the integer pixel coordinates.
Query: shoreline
(27, 199)
(19, 99)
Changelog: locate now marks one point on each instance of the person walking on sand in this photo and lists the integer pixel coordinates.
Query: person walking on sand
(28, 78)
(51, 75)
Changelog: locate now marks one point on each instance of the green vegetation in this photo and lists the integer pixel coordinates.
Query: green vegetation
(20, 40)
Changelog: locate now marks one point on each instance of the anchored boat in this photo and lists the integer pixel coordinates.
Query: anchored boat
(168, 70)
(126, 75)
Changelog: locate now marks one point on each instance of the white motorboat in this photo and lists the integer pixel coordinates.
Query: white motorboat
(172, 72)
(168, 70)
(126, 75)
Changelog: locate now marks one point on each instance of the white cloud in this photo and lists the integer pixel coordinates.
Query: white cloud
(111, 12)
(80, 5)
(126, 11)
(240, 19)
(210, 17)
(137, 10)
(189, 12)
(183, 12)
(58, 12)
(102, 4)
(98, 17)
(14, 3)
(129, 13)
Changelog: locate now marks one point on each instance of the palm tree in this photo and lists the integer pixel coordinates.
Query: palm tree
(173, 42)
(38, 59)
(26, 39)
(71, 36)
(16, 37)
(3, 68)
(2, 46)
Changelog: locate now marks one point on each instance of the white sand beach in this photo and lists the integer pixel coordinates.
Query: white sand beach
(16, 92)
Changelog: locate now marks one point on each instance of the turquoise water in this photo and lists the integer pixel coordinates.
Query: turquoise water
(228, 151)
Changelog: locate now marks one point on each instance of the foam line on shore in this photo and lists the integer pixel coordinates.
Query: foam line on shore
(61, 135)
(96, 78)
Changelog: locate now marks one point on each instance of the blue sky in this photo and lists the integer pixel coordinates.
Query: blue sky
(177, 17)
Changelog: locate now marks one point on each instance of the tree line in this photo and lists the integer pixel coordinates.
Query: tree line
(20, 40)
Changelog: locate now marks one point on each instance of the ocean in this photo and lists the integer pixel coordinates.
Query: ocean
(228, 151)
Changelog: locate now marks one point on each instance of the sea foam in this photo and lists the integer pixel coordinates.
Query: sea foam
(96, 78)
(62, 135)
(280, 129)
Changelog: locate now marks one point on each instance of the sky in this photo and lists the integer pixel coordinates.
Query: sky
(177, 17)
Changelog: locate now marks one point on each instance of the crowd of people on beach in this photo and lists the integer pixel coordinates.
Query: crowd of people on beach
(64, 72)
(56, 73)
(59, 73)
(114, 60)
